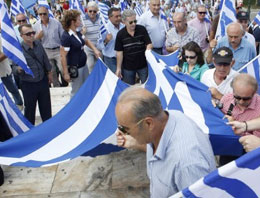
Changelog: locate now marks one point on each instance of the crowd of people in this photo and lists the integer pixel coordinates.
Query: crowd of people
(64, 49)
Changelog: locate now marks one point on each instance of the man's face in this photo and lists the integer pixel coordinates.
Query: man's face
(244, 23)
(115, 18)
(234, 36)
(130, 22)
(20, 19)
(28, 35)
(243, 94)
(92, 13)
(43, 13)
(155, 7)
(179, 23)
(222, 69)
(201, 13)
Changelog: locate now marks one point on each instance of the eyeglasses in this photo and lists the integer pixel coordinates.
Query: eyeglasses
(124, 129)
(223, 64)
(94, 11)
(190, 57)
(23, 20)
(44, 14)
(131, 22)
(243, 98)
(202, 12)
(29, 33)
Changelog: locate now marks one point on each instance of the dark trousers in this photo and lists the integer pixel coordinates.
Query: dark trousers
(34, 92)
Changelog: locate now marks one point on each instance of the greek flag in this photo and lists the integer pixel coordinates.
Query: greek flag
(11, 46)
(138, 10)
(238, 179)
(16, 8)
(123, 5)
(227, 16)
(76, 5)
(103, 8)
(45, 4)
(257, 18)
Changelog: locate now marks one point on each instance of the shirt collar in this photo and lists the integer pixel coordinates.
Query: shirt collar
(27, 47)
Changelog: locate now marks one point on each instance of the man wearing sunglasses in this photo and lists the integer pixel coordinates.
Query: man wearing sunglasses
(20, 19)
(219, 78)
(131, 43)
(202, 26)
(49, 32)
(178, 153)
(246, 105)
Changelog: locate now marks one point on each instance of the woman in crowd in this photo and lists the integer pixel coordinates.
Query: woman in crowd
(73, 57)
(194, 64)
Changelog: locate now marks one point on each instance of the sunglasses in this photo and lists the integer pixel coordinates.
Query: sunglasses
(131, 22)
(94, 11)
(23, 20)
(124, 130)
(190, 57)
(29, 33)
(44, 14)
(202, 12)
(242, 98)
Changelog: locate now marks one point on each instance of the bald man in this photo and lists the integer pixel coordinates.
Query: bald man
(242, 49)
(178, 152)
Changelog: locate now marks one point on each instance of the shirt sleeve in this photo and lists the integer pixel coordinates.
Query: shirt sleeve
(66, 41)
(118, 44)
(147, 39)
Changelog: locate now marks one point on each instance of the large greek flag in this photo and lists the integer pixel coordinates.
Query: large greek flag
(16, 8)
(227, 16)
(238, 179)
(11, 46)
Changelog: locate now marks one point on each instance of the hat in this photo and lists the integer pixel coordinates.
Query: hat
(223, 55)
(242, 15)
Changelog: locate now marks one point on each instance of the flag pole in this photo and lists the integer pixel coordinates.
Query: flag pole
(248, 63)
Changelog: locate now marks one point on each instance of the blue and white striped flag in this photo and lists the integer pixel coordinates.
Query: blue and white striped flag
(45, 4)
(138, 10)
(257, 18)
(227, 16)
(103, 8)
(16, 8)
(11, 46)
(16, 122)
(238, 179)
(123, 5)
(76, 5)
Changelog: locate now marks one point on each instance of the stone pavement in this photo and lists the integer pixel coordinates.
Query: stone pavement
(118, 175)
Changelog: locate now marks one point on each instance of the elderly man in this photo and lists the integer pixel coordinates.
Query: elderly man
(107, 43)
(20, 19)
(92, 25)
(181, 33)
(35, 89)
(242, 49)
(219, 78)
(131, 43)
(178, 152)
(202, 26)
(155, 25)
(49, 32)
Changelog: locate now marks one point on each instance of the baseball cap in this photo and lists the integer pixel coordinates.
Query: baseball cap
(223, 55)
(242, 15)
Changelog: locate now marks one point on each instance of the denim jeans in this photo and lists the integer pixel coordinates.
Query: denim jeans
(129, 75)
(111, 63)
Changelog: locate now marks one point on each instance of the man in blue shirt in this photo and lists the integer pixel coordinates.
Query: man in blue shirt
(178, 153)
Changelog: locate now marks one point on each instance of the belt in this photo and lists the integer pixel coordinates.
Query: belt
(52, 48)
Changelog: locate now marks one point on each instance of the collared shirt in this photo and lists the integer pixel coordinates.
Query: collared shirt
(37, 60)
(183, 156)
(74, 45)
(251, 112)
(133, 47)
(5, 68)
(92, 27)
(203, 28)
(190, 35)
(109, 49)
(224, 87)
(51, 33)
(156, 28)
(197, 70)
(242, 55)
(250, 38)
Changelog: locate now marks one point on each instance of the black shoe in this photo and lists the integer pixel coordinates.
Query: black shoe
(1, 177)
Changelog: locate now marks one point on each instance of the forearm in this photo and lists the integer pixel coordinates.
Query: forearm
(90, 45)
(119, 60)
(253, 124)
(149, 46)
(209, 57)
(2, 57)
(171, 48)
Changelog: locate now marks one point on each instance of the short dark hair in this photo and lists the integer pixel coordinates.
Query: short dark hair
(24, 25)
(111, 10)
(194, 47)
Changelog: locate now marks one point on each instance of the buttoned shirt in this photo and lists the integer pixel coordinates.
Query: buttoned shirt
(197, 70)
(242, 54)
(183, 156)
(156, 28)
(174, 38)
(51, 33)
(251, 112)
(203, 28)
(250, 38)
(109, 49)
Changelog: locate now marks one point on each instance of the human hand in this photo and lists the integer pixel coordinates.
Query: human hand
(215, 93)
(50, 78)
(118, 73)
(250, 142)
(213, 43)
(97, 53)
(109, 37)
(126, 141)
(66, 77)
(230, 118)
(238, 127)
(176, 68)
(20, 70)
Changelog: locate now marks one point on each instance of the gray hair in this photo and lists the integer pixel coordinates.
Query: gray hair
(236, 24)
(246, 80)
(201, 6)
(127, 13)
(92, 4)
(144, 103)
